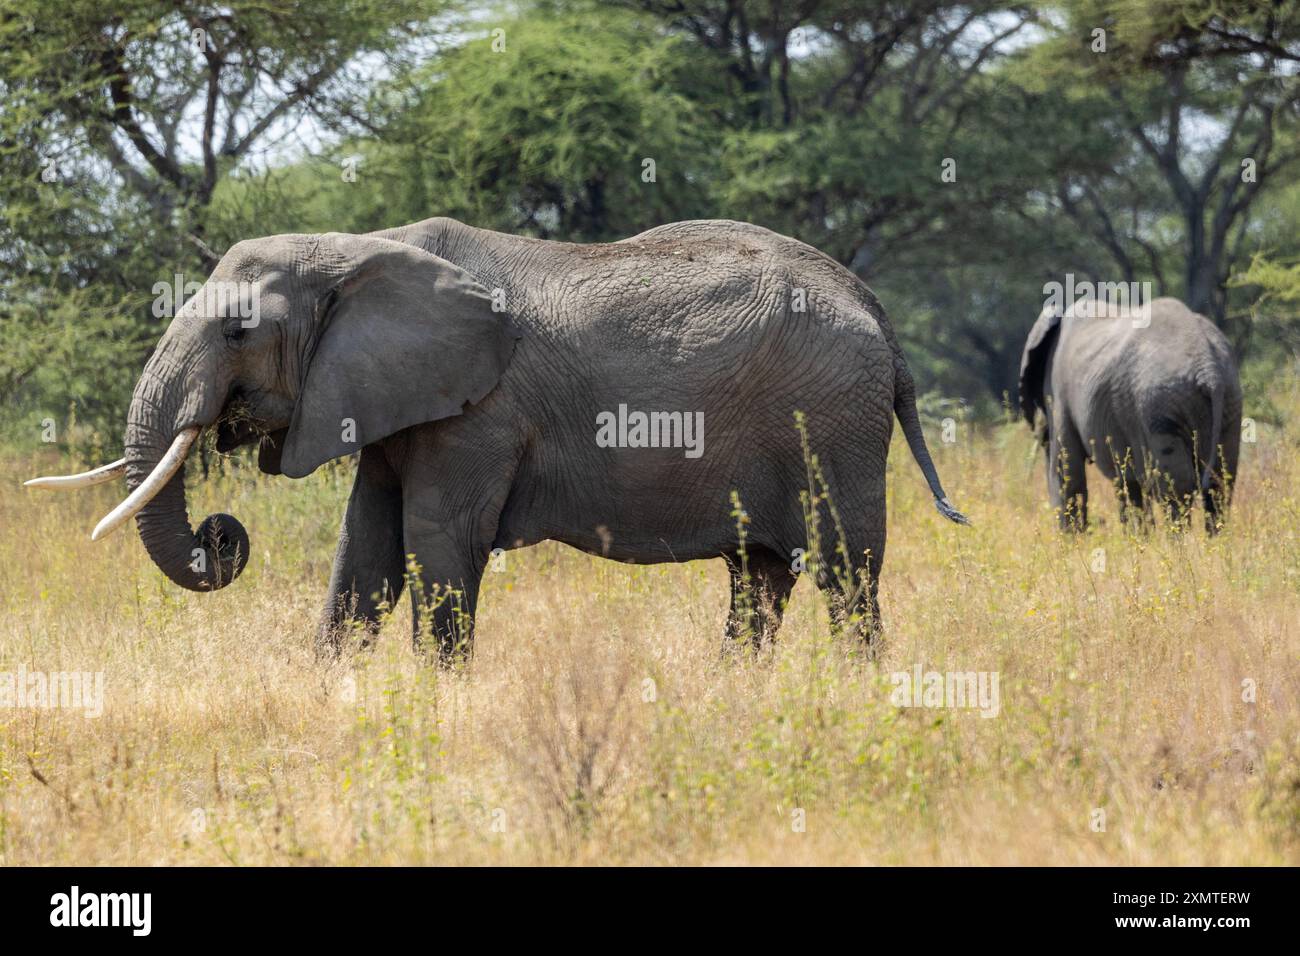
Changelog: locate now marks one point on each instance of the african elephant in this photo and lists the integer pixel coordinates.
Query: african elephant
(476, 372)
(1149, 395)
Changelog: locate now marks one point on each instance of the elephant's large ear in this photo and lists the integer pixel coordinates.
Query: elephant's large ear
(1033, 361)
(403, 338)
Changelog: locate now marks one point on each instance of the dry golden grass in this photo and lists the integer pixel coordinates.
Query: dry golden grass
(599, 722)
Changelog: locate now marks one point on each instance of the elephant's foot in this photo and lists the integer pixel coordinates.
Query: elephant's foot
(349, 620)
(442, 622)
(760, 589)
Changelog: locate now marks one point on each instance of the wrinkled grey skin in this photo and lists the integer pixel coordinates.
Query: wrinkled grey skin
(476, 427)
(1156, 408)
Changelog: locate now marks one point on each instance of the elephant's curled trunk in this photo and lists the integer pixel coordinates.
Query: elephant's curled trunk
(202, 560)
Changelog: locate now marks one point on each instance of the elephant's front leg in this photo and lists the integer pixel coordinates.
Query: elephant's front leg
(369, 568)
(449, 527)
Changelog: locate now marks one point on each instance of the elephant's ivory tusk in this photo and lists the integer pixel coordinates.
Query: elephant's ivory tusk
(158, 478)
(96, 476)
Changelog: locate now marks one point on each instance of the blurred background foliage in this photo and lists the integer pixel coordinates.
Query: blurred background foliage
(957, 156)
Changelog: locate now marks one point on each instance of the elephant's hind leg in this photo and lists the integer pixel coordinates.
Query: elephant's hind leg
(1134, 508)
(368, 567)
(1214, 499)
(849, 574)
(1173, 493)
(760, 589)
(1067, 482)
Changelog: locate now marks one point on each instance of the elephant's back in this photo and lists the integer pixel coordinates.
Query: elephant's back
(688, 288)
(740, 324)
(1132, 372)
(802, 260)
(725, 318)
(1165, 337)
(1168, 346)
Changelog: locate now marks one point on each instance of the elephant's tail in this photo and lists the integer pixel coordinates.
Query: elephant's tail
(910, 419)
(1216, 432)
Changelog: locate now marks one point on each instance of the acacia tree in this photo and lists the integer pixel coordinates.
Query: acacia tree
(120, 121)
(173, 95)
(1207, 96)
(841, 112)
(556, 125)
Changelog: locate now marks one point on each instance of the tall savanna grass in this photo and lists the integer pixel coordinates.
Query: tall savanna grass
(1149, 684)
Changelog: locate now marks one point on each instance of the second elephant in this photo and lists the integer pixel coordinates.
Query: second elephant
(1150, 396)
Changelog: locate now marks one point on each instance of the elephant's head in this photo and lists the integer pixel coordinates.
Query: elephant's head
(344, 341)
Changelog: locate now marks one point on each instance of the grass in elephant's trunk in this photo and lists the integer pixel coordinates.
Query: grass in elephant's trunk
(1149, 711)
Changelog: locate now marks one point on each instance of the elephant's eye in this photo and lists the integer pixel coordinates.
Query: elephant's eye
(234, 333)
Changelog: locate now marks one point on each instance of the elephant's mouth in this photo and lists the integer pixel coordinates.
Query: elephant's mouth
(237, 427)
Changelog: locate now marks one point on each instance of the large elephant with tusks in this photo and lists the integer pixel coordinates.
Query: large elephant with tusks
(479, 376)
